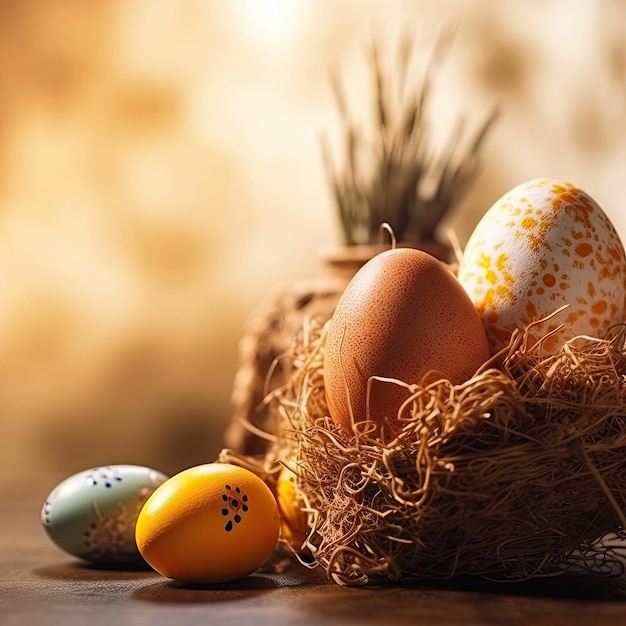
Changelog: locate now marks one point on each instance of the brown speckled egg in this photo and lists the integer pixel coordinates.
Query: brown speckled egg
(402, 315)
(545, 244)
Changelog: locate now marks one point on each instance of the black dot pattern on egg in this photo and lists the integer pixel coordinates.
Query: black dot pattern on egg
(106, 476)
(236, 505)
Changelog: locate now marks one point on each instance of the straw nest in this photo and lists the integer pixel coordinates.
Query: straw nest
(518, 473)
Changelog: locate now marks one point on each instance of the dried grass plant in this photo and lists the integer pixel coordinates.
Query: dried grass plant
(517, 474)
(392, 173)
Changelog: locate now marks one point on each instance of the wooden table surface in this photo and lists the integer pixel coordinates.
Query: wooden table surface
(39, 584)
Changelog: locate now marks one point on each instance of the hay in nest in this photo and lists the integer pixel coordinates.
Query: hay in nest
(516, 474)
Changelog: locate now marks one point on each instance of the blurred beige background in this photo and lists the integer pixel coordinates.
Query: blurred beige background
(160, 171)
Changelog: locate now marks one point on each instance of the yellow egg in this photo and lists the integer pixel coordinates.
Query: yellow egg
(210, 523)
(543, 245)
(294, 527)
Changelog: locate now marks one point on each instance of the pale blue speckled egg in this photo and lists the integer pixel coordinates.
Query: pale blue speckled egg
(92, 514)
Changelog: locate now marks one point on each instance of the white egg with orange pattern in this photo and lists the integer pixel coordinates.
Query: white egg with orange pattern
(545, 244)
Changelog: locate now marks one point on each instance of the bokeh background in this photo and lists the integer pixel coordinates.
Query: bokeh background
(160, 171)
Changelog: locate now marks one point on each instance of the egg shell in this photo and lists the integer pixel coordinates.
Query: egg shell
(92, 514)
(402, 315)
(210, 523)
(545, 244)
(294, 527)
